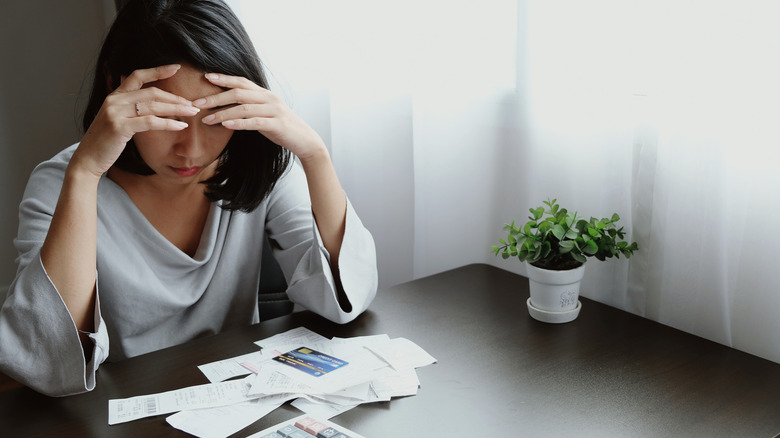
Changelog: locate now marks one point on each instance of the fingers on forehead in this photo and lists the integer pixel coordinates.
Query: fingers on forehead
(152, 123)
(154, 93)
(159, 108)
(232, 96)
(158, 73)
(139, 78)
(224, 80)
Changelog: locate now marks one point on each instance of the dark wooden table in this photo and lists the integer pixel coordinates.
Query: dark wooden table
(606, 374)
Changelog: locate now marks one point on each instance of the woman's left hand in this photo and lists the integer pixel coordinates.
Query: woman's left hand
(251, 107)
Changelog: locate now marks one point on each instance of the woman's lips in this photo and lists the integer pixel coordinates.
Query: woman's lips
(186, 171)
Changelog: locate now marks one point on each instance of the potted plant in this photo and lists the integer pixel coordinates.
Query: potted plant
(555, 244)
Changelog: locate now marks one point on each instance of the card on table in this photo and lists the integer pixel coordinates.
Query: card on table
(311, 361)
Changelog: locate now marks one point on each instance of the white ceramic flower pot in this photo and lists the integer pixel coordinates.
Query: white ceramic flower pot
(554, 294)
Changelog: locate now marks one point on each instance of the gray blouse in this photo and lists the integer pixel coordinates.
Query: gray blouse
(151, 295)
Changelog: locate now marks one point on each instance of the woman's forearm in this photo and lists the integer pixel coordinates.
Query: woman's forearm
(69, 251)
(328, 201)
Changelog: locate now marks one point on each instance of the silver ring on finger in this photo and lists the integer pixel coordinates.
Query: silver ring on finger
(138, 109)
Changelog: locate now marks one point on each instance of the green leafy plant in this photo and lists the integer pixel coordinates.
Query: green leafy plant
(555, 238)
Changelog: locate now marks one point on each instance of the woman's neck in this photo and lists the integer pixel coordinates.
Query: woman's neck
(177, 211)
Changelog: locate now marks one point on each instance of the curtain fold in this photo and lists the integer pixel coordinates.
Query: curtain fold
(448, 119)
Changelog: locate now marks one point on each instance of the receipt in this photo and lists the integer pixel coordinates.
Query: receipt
(194, 397)
(326, 377)
(400, 384)
(241, 365)
(279, 378)
(383, 388)
(227, 368)
(361, 340)
(326, 411)
(224, 421)
(300, 335)
(402, 354)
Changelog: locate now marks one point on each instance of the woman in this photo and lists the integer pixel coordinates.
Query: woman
(149, 231)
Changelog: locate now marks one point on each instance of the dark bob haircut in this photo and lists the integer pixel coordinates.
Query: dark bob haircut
(206, 35)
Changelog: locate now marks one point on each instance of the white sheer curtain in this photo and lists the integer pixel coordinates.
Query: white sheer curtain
(446, 119)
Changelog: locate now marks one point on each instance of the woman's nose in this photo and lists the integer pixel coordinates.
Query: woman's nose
(189, 143)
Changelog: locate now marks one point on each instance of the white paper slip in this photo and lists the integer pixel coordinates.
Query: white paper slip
(295, 427)
(402, 354)
(194, 397)
(320, 409)
(399, 384)
(298, 336)
(271, 382)
(227, 368)
(361, 340)
(224, 421)
(358, 365)
(221, 370)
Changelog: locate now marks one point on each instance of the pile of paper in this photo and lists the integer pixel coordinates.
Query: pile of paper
(324, 377)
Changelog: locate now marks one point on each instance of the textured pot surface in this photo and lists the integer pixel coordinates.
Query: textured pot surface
(554, 291)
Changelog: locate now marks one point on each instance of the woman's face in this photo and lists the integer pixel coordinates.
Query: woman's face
(190, 155)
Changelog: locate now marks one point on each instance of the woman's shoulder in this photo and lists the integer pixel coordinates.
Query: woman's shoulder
(62, 158)
(292, 177)
(48, 175)
(56, 164)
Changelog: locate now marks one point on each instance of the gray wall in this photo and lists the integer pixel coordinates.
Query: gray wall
(47, 49)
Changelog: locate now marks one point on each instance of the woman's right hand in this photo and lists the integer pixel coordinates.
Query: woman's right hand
(118, 119)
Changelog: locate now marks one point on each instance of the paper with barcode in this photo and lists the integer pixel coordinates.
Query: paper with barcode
(209, 395)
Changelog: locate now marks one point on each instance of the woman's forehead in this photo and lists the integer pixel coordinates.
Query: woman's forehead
(189, 83)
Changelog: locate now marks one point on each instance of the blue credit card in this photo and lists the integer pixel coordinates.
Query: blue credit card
(310, 361)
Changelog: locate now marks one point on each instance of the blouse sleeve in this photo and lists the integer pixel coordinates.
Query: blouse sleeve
(39, 342)
(306, 263)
